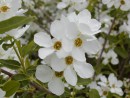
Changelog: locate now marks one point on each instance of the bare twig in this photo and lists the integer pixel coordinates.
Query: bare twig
(105, 42)
(6, 72)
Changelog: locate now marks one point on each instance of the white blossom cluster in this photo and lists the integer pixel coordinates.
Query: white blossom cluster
(9, 9)
(68, 35)
(64, 51)
(105, 85)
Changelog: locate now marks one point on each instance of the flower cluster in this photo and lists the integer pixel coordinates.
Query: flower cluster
(74, 5)
(64, 51)
(123, 4)
(72, 49)
(105, 85)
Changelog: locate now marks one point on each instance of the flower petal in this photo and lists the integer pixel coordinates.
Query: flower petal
(94, 25)
(58, 64)
(2, 93)
(112, 79)
(119, 91)
(56, 86)
(119, 83)
(92, 47)
(78, 54)
(70, 76)
(84, 16)
(84, 70)
(67, 44)
(61, 5)
(85, 29)
(103, 79)
(44, 52)
(44, 73)
(57, 29)
(43, 39)
(73, 17)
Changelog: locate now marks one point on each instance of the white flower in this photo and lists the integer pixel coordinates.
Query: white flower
(49, 46)
(2, 93)
(115, 85)
(9, 8)
(126, 26)
(123, 4)
(110, 55)
(78, 43)
(74, 5)
(103, 91)
(71, 66)
(85, 24)
(46, 74)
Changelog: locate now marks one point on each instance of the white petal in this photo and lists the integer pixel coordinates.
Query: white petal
(56, 86)
(2, 93)
(22, 31)
(85, 29)
(94, 25)
(44, 52)
(119, 83)
(114, 61)
(73, 17)
(61, 53)
(119, 91)
(92, 47)
(44, 73)
(67, 44)
(72, 30)
(70, 76)
(105, 1)
(78, 54)
(43, 39)
(84, 70)
(58, 64)
(103, 79)
(112, 79)
(112, 90)
(84, 16)
(61, 5)
(57, 29)
(102, 84)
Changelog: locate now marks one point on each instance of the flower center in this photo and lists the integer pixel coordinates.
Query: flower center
(113, 86)
(69, 60)
(122, 2)
(105, 93)
(4, 8)
(57, 45)
(59, 74)
(78, 42)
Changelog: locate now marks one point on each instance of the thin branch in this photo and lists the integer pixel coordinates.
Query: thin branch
(36, 85)
(105, 42)
(6, 72)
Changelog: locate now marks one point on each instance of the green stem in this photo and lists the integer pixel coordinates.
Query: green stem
(20, 58)
(37, 82)
(112, 69)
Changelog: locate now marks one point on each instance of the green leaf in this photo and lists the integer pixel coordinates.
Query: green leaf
(109, 95)
(13, 23)
(11, 87)
(20, 77)
(121, 52)
(94, 94)
(84, 81)
(12, 64)
(28, 48)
